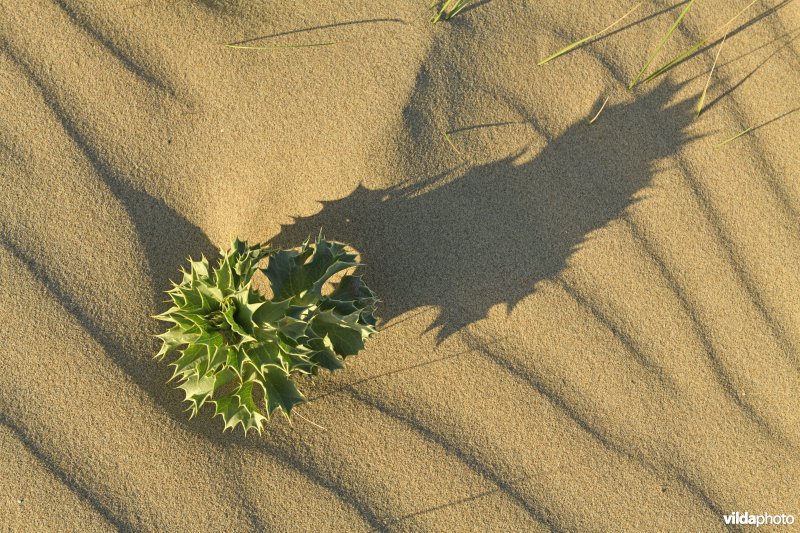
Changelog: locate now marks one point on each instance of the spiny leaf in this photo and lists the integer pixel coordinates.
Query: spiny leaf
(200, 387)
(239, 408)
(242, 352)
(262, 354)
(324, 354)
(271, 312)
(223, 276)
(293, 276)
(189, 319)
(345, 332)
(174, 337)
(296, 358)
(247, 304)
(351, 295)
(281, 391)
(246, 259)
(192, 356)
(244, 336)
(210, 297)
(292, 328)
(191, 299)
(200, 268)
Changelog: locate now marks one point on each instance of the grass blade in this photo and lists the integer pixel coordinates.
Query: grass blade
(310, 421)
(565, 50)
(274, 46)
(762, 125)
(708, 81)
(589, 38)
(729, 139)
(594, 118)
(449, 9)
(452, 144)
(661, 45)
(441, 12)
(461, 6)
(696, 47)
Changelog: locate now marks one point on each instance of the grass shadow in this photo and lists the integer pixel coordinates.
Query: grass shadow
(475, 5)
(732, 33)
(728, 91)
(318, 28)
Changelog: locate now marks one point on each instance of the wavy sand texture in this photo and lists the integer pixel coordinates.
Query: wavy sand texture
(585, 328)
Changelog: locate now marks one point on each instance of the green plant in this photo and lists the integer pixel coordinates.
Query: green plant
(661, 44)
(449, 9)
(734, 137)
(278, 46)
(640, 76)
(451, 143)
(241, 351)
(579, 42)
(702, 99)
(685, 55)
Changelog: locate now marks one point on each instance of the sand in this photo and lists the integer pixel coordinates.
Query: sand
(589, 328)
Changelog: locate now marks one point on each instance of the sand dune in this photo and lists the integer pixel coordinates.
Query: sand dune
(591, 328)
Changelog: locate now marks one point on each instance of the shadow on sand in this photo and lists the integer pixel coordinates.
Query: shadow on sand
(463, 245)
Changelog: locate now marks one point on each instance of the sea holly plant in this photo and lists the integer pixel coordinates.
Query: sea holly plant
(241, 351)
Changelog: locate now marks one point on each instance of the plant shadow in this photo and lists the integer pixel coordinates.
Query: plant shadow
(467, 243)
(320, 28)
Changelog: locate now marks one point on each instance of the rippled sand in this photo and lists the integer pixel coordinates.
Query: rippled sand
(584, 327)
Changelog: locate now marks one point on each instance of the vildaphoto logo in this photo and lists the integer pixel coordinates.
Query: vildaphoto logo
(747, 519)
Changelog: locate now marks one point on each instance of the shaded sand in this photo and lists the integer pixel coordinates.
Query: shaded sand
(585, 328)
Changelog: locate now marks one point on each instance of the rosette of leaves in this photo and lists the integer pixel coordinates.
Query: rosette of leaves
(241, 351)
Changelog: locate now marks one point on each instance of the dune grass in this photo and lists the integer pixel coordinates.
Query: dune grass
(449, 9)
(640, 76)
(762, 125)
(685, 55)
(451, 143)
(278, 46)
(597, 115)
(733, 138)
(661, 44)
(708, 81)
(579, 42)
